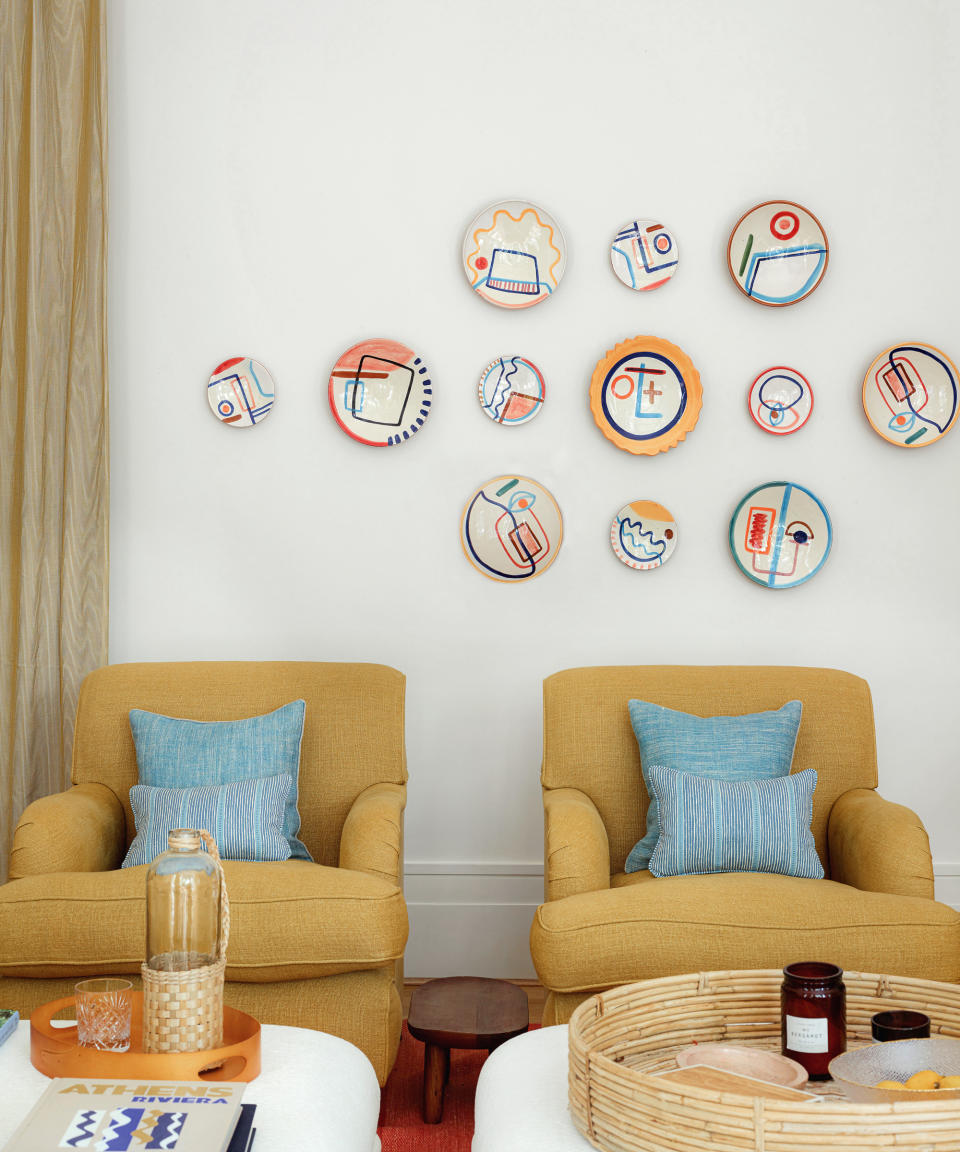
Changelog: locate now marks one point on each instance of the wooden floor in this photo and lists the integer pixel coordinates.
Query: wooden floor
(536, 995)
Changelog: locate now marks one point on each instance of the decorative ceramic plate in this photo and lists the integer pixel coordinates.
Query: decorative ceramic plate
(511, 528)
(781, 400)
(780, 535)
(643, 535)
(910, 394)
(644, 254)
(380, 393)
(241, 392)
(514, 254)
(777, 253)
(645, 395)
(511, 390)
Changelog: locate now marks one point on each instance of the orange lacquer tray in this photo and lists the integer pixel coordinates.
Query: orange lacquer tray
(55, 1051)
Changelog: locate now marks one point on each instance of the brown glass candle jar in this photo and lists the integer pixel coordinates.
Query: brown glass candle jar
(813, 1004)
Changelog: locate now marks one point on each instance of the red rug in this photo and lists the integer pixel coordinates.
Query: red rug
(401, 1125)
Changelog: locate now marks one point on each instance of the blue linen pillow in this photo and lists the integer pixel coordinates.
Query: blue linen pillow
(174, 753)
(734, 825)
(245, 818)
(756, 746)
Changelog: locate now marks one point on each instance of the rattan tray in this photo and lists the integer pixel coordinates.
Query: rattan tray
(55, 1052)
(619, 1038)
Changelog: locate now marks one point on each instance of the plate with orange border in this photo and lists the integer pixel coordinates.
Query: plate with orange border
(645, 395)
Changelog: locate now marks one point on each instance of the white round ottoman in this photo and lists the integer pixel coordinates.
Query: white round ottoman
(521, 1103)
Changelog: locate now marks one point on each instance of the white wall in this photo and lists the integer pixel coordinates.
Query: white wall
(290, 178)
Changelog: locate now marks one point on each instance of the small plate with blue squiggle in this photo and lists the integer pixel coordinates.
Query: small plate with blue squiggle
(643, 535)
(511, 390)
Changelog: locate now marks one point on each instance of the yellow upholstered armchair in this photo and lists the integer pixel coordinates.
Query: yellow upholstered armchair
(600, 926)
(319, 945)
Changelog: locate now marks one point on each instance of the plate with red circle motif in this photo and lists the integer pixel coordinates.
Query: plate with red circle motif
(380, 393)
(241, 392)
(777, 253)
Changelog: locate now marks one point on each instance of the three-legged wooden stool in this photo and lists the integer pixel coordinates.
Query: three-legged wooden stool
(461, 1012)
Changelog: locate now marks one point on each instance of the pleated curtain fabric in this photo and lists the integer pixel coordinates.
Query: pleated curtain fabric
(53, 387)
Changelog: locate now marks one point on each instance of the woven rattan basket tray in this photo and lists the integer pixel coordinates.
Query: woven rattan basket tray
(618, 1039)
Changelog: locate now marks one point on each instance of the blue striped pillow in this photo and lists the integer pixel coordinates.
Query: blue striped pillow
(756, 746)
(245, 818)
(734, 825)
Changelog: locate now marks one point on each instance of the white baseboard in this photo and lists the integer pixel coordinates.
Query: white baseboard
(472, 918)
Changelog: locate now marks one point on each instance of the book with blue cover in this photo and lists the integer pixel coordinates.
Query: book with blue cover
(127, 1115)
(9, 1019)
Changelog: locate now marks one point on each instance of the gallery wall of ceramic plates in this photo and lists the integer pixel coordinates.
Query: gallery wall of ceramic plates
(645, 394)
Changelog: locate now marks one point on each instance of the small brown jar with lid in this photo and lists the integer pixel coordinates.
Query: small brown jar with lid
(813, 1004)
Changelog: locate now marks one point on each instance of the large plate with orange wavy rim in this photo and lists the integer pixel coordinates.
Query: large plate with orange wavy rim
(910, 394)
(514, 254)
(645, 395)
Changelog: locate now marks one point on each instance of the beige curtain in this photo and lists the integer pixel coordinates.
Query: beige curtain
(53, 386)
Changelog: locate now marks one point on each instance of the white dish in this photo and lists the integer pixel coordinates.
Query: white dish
(514, 254)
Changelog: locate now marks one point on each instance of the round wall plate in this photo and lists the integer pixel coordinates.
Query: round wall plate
(643, 535)
(780, 400)
(910, 394)
(644, 254)
(514, 254)
(780, 535)
(380, 393)
(511, 528)
(645, 395)
(241, 392)
(777, 253)
(511, 390)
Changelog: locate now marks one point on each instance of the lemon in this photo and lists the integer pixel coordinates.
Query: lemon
(950, 1082)
(923, 1081)
(889, 1084)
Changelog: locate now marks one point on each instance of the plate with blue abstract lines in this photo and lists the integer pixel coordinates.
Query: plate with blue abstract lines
(910, 394)
(778, 253)
(380, 393)
(511, 529)
(241, 392)
(644, 254)
(512, 390)
(780, 535)
(514, 254)
(780, 400)
(643, 535)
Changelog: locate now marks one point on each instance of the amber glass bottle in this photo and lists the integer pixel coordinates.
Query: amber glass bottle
(813, 1011)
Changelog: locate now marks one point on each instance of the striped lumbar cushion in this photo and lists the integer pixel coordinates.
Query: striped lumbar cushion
(756, 746)
(245, 818)
(734, 825)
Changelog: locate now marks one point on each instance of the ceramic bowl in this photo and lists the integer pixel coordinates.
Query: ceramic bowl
(755, 1062)
(859, 1071)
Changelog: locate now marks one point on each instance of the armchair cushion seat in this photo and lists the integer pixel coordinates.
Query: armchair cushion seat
(289, 920)
(644, 927)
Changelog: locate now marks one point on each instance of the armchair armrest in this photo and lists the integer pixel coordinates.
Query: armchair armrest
(80, 830)
(878, 846)
(372, 837)
(576, 847)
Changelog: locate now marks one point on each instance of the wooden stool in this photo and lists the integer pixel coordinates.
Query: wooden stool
(461, 1012)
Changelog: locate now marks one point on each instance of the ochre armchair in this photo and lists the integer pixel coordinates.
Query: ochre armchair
(600, 927)
(318, 945)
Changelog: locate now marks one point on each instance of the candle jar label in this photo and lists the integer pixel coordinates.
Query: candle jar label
(806, 1035)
